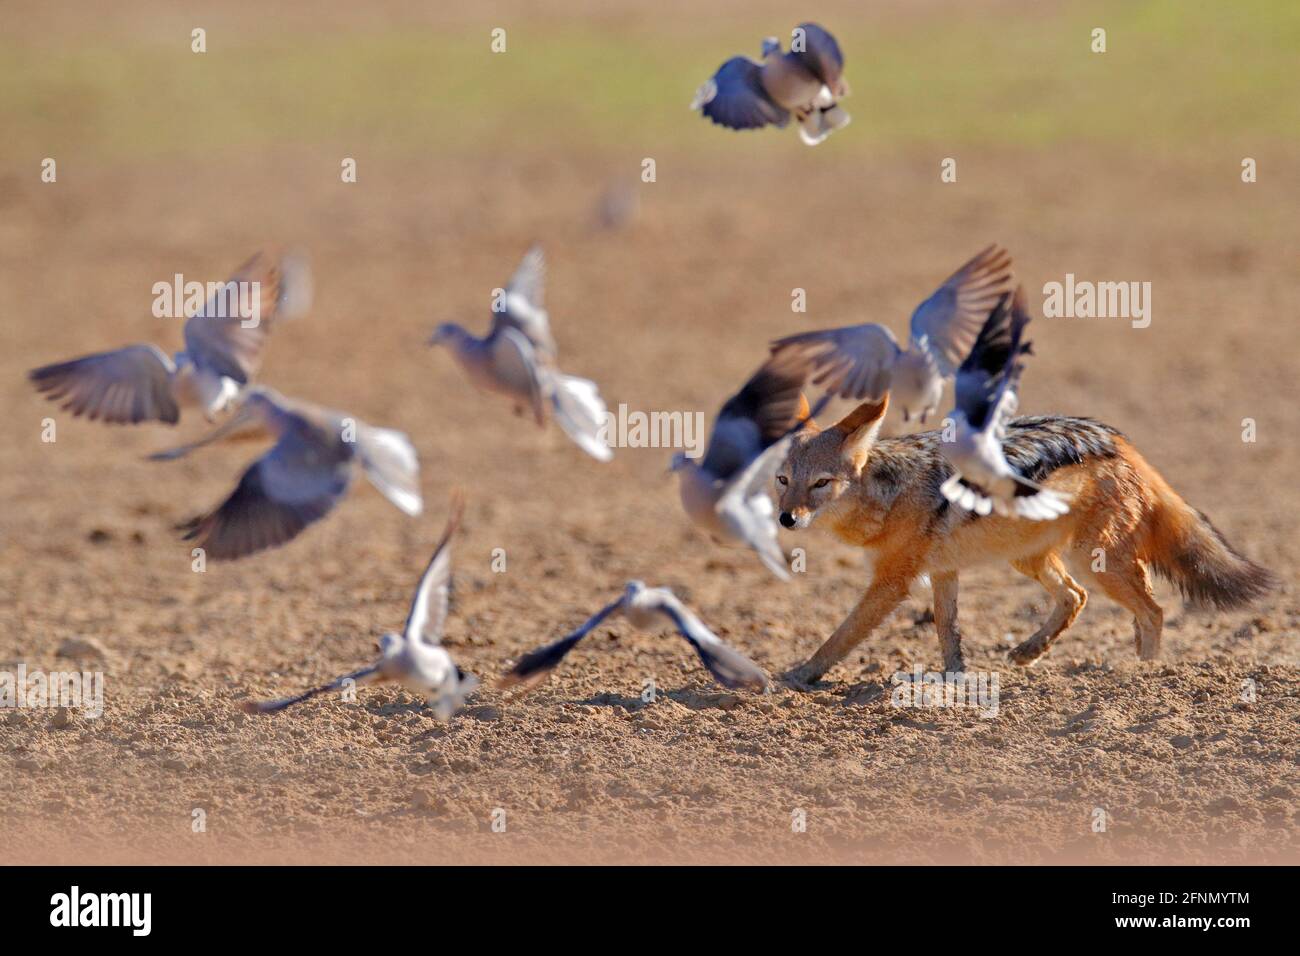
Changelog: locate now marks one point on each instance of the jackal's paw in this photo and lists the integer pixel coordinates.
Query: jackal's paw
(1027, 653)
(954, 665)
(802, 678)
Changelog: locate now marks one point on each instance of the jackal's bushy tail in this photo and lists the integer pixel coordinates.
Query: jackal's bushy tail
(1190, 552)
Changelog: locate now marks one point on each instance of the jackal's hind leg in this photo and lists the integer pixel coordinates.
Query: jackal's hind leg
(1130, 586)
(1048, 570)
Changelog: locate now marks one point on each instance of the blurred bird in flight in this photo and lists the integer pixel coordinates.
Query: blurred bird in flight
(727, 493)
(302, 477)
(646, 609)
(807, 82)
(223, 351)
(864, 361)
(517, 359)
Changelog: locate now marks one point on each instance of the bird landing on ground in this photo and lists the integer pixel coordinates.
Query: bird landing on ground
(415, 657)
(644, 608)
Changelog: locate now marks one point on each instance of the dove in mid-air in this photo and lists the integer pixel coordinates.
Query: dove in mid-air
(864, 361)
(302, 477)
(415, 658)
(727, 492)
(984, 481)
(806, 82)
(223, 350)
(645, 608)
(517, 359)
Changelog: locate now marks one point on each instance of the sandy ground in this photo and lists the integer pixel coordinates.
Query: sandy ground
(670, 313)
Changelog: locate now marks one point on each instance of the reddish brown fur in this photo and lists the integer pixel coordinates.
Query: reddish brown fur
(1124, 521)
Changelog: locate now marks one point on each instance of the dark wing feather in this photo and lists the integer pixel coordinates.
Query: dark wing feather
(535, 666)
(993, 364)
(761, 413)
(738, 100)
(296, 483)
(730, 667)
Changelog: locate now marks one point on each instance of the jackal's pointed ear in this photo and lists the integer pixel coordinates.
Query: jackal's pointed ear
(860, 428)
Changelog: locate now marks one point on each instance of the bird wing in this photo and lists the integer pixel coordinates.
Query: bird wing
(854, 362)
(986, 382)
(581, 412)
(429, 606)
(522, 305)
(515, 365)
(299, 481)
(762, 412)
(741, 508)
(127, 385)
(535, 666)
(218, 338)
(1007, 401)
(391, 465)
(947, 323)
(363, 675)
(734, 97)
(730, 667)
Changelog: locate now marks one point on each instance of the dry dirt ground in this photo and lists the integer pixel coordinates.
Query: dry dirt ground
(669, 313)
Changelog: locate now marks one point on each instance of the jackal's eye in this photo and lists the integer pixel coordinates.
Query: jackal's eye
(782, 479)
(821, 482)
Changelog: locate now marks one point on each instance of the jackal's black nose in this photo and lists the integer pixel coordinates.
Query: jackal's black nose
(787, 519)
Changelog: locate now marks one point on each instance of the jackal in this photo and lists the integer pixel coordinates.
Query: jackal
(883, 495)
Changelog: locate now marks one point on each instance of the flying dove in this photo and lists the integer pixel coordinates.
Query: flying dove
(864, 361)
(806, 82)
(647, 609)
(726, 494)
(984, 481)
(222, 353)
(414, 658)
(517, 359)
(302, 477)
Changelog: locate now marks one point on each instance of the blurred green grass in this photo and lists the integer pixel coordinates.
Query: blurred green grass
(1177, 73)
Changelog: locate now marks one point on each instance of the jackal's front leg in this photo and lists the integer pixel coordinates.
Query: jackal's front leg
(945, 621)
(885, 594)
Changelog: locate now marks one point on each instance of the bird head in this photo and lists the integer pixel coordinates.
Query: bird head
(445, 333)
(679, 461)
